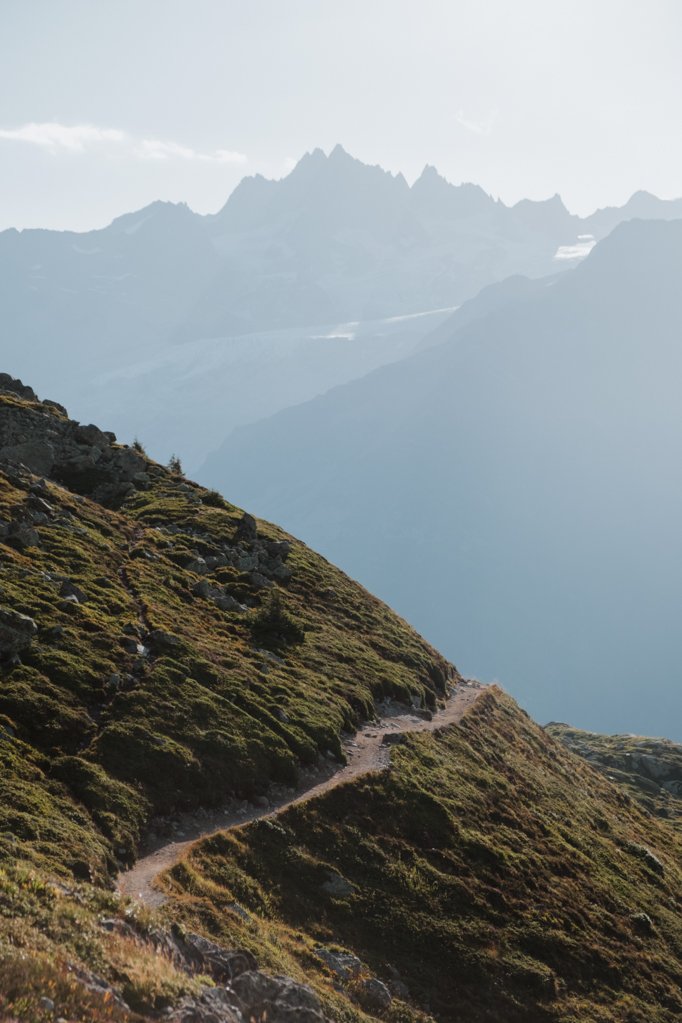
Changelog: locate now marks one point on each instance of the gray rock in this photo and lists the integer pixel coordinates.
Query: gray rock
(70, 589)
(337, 886)
(56, 406)
(375, 994)
(203, 588)
(199, 566)
(164, 642)
(38, 454)
(17, 632)
(276, 999)
(212, 1005)
(343, 964)
(13, 385)
(22, 534)
(278, 548)
(228, 603)
(223, 966)
(246, 529)
(394, 739)
(424, 714)
(90, 435)
(279, 572)
(260, 581)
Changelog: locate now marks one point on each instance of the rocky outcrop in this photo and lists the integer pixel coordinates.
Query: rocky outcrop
(649, 768)
(242, 992)
(40, 436)
(253, 996)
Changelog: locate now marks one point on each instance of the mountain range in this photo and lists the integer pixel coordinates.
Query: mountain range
(511, 488)
(118, 320)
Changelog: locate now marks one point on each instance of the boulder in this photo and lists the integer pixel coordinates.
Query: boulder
(220, 964)
(394, 739)
(17, 632)
(38, 454)
(212, 1005)
(246, 529)
(12, 385)
(276, 999)
(48, 403)
(21, 534)
(228, 603)
(69, 589)
(164, 642)
(337, 886)
(375, 995)
(260, 581)
(343, 964)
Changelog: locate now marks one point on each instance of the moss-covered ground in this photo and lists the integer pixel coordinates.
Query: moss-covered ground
(489, 875)
(140, 698)
(100, 729)
(501, 877)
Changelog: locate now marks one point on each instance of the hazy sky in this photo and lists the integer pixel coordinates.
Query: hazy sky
(106, 105)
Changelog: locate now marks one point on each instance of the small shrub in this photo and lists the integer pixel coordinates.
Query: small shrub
(175, 466)
(139, 447)
(213, 499)
(273, 628)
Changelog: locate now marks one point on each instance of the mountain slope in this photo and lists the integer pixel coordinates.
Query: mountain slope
(134, 670)
(511, 490)
(509, 881)
(160, 651)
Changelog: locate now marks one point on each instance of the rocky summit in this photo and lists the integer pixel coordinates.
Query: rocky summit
(234, 786)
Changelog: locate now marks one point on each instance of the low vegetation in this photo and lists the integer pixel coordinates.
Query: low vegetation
(160, 650)
(649, 769)
(507, 882)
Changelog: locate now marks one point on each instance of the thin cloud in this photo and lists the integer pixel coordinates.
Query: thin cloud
(52, 135)
(79, 138)
(157, 149)
(483, 127)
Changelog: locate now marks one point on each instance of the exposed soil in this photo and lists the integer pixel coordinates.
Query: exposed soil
(365, 752)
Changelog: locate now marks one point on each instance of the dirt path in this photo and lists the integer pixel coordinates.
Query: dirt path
(365, 752)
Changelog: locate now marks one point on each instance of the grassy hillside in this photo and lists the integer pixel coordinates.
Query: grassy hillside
(509, 881)
(161, 650)
(158, 650)
(650, 769)
(139, 694)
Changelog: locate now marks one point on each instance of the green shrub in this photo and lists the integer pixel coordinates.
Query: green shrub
(273, 628)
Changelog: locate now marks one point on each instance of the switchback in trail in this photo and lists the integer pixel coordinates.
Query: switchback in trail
(367, 751)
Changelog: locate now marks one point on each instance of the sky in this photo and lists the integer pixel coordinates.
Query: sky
(107, 105)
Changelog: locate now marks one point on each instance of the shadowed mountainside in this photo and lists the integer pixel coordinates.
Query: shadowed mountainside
(511, 490)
